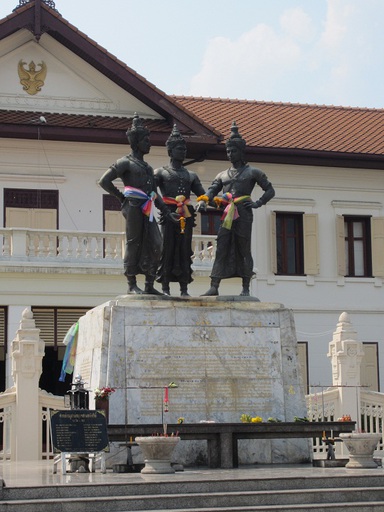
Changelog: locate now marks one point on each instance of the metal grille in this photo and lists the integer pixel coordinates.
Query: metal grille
(26, 198)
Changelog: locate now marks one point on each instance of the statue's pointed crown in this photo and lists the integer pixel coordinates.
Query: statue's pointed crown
(175, 138)
(235, 137)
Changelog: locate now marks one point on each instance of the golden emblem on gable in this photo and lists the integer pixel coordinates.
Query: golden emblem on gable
(32, 79)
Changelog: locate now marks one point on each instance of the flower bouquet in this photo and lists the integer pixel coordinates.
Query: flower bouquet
(103, 393)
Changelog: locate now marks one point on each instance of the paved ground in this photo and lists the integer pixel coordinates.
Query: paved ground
(40, 473)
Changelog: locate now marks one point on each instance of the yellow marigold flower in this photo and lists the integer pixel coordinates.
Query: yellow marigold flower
(257, 419)
(217, 201)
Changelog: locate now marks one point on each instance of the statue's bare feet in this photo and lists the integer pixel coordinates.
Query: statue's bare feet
(245, 292)
(184, 294)
(212, 292)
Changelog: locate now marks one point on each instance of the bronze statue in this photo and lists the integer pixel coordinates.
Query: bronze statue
(176, 184)
(233, 252)
(143, 238)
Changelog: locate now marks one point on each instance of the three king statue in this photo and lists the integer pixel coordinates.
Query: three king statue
(167, 256)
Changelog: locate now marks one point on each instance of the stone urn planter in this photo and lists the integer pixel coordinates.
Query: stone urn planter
(157, 452)
(361, 448)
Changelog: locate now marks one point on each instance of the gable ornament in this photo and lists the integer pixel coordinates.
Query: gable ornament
(32, 79)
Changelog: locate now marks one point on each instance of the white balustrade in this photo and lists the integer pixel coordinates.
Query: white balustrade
(204, 250)
(79, 247)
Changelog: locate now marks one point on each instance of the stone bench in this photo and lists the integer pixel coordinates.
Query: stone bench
(222, 437)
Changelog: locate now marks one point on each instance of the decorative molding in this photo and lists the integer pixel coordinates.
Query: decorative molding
(375, 205)
(51, 103)
(293, 201)
(36, 178)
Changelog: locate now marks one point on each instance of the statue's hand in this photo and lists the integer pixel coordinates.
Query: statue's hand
(201, 206)
(257, 204)
(173, 217)
(251, 204)
(247, 204)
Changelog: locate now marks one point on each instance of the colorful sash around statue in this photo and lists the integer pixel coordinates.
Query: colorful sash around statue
(148, 208)
(181, 202)
(230, 213)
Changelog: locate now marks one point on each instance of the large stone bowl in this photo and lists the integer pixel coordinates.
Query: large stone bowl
(361, 448)
(157, 453)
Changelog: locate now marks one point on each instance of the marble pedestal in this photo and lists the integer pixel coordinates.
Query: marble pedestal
(227, 356)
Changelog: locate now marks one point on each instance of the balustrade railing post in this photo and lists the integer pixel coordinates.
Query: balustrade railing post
(19, 242)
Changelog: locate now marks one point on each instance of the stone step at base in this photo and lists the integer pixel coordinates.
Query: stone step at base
(375, 506)
(251, 500)
(194, 486)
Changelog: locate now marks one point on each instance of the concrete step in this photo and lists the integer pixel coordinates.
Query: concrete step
(338, 507)
(193, 486)
(213, 501)
(325, 492)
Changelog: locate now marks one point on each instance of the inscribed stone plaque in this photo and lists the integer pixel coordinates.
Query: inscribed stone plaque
(79, 431)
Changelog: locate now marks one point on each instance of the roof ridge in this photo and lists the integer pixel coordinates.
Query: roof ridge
(272, 103)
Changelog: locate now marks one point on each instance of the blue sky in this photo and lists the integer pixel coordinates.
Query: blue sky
(301, 51)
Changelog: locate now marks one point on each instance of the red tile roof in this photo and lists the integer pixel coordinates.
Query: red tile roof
(294, 126)
(77, 121)
(49, 21)
(279, 132)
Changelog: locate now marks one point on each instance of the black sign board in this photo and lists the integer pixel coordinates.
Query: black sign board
(79, 430)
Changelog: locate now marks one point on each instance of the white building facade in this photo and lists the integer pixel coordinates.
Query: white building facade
(318, 246)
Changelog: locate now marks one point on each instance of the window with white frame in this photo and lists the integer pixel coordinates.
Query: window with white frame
(294, 243)
(360, 246)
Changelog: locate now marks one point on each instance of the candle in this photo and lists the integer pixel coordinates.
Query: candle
(166, 394)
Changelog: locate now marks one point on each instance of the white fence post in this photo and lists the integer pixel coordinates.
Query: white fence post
(27, 351)
(346, 353)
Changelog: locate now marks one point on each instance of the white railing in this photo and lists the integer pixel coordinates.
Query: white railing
(73, 248)
(7, 417)
(371, 414)
(47, 404)
(322, 406)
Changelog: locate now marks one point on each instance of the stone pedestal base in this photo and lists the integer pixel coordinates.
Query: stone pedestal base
(227, 357)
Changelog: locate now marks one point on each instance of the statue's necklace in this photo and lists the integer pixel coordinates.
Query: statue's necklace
(144, 166)
(182, 175)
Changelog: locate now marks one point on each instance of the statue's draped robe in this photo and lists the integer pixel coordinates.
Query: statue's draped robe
(233, 250)
(176, 259)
